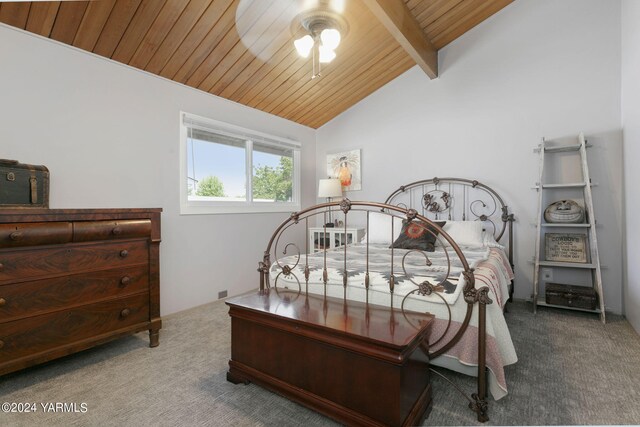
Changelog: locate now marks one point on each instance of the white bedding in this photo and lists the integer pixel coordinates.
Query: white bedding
(491, 269)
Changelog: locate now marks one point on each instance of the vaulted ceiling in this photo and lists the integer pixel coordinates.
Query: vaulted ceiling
(243, 50)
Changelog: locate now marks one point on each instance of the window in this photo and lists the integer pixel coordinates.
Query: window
(229, 169)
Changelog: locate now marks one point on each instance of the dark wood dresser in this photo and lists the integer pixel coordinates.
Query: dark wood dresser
(71, 279)
(357, 363)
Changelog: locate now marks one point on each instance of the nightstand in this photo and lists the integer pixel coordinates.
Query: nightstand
(333, 237)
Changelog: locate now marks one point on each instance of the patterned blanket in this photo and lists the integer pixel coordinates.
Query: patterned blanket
(492, 269)
(441, 268)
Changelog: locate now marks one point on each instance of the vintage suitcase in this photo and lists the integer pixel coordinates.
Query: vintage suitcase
(571, 296)
(23, 186)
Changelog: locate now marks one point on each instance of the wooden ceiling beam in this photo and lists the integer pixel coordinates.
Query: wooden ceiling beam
(399, 21)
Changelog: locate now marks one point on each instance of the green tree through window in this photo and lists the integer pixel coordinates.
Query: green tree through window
(274, 183)
(210, 186)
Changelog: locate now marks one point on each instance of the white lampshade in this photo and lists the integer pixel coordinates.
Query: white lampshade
(326, 54)
(330, 188)
(330, 38)
(304, 45)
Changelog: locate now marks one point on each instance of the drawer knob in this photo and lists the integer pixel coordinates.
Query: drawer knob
(124, 253)
(117, 231)
(125, 281)
(124, 313)
(1, 343)
(3, 302)
(16, 236)
(1, 266)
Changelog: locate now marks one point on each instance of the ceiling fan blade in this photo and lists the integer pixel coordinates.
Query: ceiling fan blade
(265, 25)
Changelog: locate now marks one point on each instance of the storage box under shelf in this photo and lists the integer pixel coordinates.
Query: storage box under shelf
(571, 296)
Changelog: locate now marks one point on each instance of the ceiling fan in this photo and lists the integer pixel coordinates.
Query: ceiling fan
(314, 27)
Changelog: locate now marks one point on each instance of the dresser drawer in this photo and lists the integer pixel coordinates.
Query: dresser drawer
(108, 255)
(24, 264)
(84, 231)
(38, 296)
(35, 233)
(36, 334)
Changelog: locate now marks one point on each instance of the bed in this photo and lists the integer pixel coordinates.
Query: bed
(458, 269)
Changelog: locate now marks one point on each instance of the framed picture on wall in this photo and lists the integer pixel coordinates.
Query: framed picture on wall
(345, 166)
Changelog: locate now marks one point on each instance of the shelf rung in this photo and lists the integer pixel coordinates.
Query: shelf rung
(543, 303)
(562, 148)
(532, 260)
(568, 185)
(566, 264)
(566, 225)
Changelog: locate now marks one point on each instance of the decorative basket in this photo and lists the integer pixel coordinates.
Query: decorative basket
(564, 212)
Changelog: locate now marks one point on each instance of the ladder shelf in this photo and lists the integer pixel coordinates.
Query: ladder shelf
(588, 228)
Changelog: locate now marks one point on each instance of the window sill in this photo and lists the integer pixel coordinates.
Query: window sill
(235, 209)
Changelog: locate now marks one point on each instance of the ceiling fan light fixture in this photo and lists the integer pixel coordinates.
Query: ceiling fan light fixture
(304, 45)
(318, 31)
(326, 55)
(330, 38)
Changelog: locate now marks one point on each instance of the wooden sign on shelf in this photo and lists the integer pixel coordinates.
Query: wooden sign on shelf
(566, 247)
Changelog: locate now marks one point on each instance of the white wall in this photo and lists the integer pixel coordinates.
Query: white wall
(537, 68)
(631, 130)
(110, 137)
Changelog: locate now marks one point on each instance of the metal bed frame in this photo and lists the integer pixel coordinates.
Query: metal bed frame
(438, 198)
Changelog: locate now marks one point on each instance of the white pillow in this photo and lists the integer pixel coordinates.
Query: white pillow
(464, 233)
(490, 240)
(380, 228)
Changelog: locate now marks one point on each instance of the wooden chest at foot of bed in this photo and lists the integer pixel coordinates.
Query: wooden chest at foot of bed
(571, 296)
(356, 363)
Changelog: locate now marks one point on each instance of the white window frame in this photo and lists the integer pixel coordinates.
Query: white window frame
(196, 207)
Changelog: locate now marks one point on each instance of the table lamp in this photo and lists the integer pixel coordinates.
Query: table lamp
(329, 188)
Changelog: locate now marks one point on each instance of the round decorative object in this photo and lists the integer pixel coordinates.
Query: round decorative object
(564, 212)
(414, 230)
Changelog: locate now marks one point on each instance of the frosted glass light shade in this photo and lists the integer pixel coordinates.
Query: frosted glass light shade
(304, 45)
(330, 38)
(329, 188)
(326, 54)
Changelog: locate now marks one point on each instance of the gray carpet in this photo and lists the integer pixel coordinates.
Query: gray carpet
(572, 370)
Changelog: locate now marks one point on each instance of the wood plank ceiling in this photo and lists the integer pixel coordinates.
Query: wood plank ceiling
(246, 53)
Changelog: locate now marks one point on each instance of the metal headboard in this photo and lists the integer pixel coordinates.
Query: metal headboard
(458, 199)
